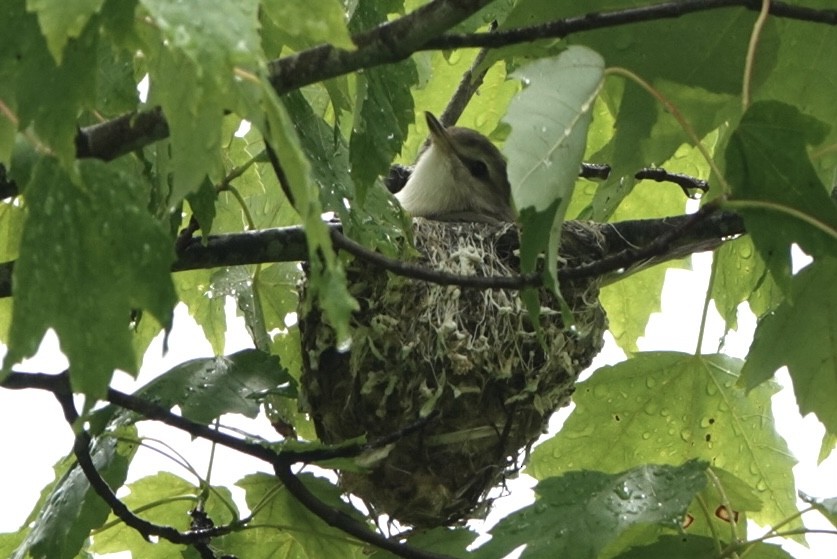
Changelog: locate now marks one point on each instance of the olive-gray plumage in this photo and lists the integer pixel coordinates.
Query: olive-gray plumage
(459, 176)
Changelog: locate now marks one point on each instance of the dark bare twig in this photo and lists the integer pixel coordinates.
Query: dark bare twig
(599, 20)
(424, 273)
(689, 185)
(339, 519)
(598, 171)
(281, 462)
(629, 258)
(59, 385)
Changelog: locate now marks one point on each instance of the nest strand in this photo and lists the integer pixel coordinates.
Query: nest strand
(473, 355)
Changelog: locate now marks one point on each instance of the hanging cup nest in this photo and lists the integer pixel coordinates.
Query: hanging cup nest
(471, 355)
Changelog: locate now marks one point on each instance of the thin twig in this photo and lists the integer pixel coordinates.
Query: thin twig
(281, 462)
(413, 271)
(341, 520)
(469, 84)
(562, 28)
(687, 183)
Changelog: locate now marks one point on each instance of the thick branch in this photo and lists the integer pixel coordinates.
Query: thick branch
(389, 42)
(396, 40)
(629, 240)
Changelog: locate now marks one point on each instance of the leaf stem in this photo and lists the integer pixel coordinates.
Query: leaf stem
(793, 212)
(708, 515)
(248, 217)
(724, 500)
(678, 116)
(706, 300)
(751, 53)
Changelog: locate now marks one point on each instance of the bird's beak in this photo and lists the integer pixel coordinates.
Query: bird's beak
(438, 135)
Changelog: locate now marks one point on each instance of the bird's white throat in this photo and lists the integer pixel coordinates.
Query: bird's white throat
(431, 188)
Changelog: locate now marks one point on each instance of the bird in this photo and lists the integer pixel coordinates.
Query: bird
(459, 176)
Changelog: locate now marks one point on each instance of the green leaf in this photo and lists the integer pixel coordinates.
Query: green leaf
(327, 279)
(165, 499)
(670, 407)
(116, 86)
(742, 275)
(829, 442)
(802, 334)
(256, 186)
(578, 514)
(802, 66)
(713, 60)
(383, 113)
(62, 21)
(452, 542)
(374, 221)
(698, 547)
(310, 23)
(194, 58)
(237, 282)
(90, 253)
(647, 134)
(482, 113)
(631, 301)
(302, 535)
(207, 388)
(35, 78)
(10, 541)
(549, 121)
(276, 286)
(205, 305)
(781, 197)
(72, 509)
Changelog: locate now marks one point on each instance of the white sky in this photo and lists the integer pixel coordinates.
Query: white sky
(34, 435)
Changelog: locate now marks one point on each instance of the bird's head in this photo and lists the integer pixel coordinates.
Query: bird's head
(459, 176)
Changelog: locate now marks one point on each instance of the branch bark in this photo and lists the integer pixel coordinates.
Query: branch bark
(628, 247)
(396, 40)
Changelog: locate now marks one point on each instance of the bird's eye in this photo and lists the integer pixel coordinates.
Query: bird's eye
(477, 168)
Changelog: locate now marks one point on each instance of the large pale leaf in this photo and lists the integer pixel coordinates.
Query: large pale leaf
(549, 121)
(670, 407)
(90, 254)
(802, 334)
(579, 513)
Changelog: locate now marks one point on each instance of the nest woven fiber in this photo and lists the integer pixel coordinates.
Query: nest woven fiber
(470, 354)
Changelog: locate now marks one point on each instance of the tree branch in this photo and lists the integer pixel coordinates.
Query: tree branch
(396, 40)
(600, 20)
(281, 462)
(627, 245)
(389, 42)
